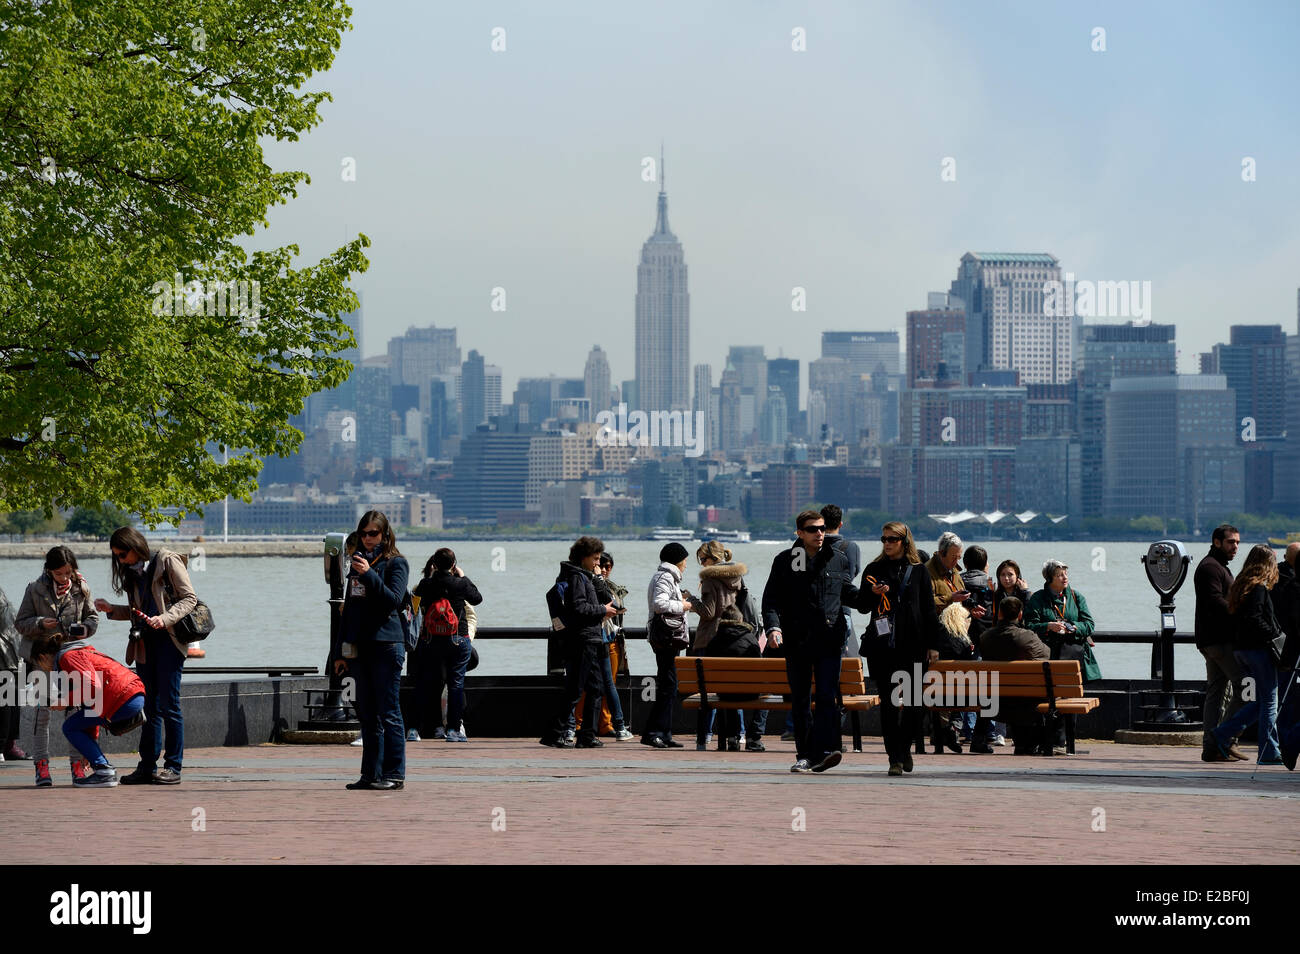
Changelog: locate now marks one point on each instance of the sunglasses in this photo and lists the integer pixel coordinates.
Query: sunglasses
(891, 539)
(820, 528)
(372, 533)
(119, 554)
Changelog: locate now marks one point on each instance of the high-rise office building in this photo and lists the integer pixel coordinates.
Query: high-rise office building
(731, 437)
(1106, 353)
(596, 380)
(474, 398)
(1254, 362)
(867, 352)
(774, 425)
(663, 309)
(935, 337)
(702, 403)
(784, 374)
(751, 364)
(374, 409)
(1171, 449)
(1005, 297)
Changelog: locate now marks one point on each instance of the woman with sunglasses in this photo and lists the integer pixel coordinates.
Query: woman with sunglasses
(904, 630)
(157, 585)
(373, 625)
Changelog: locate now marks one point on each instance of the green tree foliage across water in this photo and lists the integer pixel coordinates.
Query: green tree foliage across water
(130, 154)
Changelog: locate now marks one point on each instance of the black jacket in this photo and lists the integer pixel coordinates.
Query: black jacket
(915, 621)
(583, 612)
(805, 596)
(374, 615)
(1211, 581)
(1255, 623)
(980, 586)
(459, 590)
(1286, 606)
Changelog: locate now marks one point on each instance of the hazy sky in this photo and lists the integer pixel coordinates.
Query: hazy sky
(820, 169)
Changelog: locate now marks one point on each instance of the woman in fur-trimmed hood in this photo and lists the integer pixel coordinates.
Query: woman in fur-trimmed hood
(720, 581)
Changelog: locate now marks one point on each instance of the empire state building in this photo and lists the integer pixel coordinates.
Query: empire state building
(663, 319)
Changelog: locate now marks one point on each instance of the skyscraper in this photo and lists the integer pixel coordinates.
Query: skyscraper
(663, 308)
(596, 380)
(703, 404)
(1007, 321)
(784, 374)
(934, 337)
(867, 352)
(473, 394)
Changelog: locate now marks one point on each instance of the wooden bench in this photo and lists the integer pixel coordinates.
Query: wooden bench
(702, 680)
(1058, 682)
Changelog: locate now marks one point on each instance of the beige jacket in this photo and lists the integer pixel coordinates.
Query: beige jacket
(186, 599)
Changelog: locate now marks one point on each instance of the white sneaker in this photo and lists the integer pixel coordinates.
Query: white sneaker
(999, 740)
(622, 735)
(571, 736)
(461, 732)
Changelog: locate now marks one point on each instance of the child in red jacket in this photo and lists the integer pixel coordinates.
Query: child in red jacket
(101, 689)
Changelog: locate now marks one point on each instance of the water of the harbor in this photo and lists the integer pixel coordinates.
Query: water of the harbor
(271, 610)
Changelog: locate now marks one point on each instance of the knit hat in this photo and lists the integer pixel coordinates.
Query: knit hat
(672, 553)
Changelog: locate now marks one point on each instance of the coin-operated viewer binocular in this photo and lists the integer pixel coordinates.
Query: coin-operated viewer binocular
(1166, 709)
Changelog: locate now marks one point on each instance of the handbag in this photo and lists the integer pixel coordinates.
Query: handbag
(194, 625)
(667, 632)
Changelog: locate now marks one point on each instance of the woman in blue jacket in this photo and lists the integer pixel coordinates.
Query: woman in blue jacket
(372, 625)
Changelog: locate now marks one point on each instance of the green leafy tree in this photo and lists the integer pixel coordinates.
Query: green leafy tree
(98, 522)
(676, 516)
(27, 522)
(136, 332)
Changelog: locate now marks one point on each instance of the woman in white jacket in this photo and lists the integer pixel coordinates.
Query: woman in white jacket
(666, 598)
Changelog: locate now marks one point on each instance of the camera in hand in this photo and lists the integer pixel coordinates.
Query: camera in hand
(77, 630)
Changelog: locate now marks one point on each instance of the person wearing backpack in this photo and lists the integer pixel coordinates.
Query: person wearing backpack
(445, 648)
(151, 581)
(577, 614)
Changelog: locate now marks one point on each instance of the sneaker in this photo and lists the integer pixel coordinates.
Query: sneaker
(141, 776)
(456, 736)
(787, 736)
(622, 735)
(357, 742)
(830, 760)
(461, 733)
(413, 736)
(654, 741)
(15, 754)
(560, 743)
(81, 768)
(733, 744)
(43, 779)
(571, 736)
(105, 777)
(167, 777)
(755, 746)
(592, 743)
(439, 733)
(801, 766)
(708, 738)
(999, 740)
(895, 768)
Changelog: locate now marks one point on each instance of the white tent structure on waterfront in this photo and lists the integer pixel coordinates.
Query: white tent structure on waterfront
(952, 518)
(1026, 516)
(993, 516)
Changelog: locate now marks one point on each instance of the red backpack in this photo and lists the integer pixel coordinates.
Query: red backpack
(441, 619)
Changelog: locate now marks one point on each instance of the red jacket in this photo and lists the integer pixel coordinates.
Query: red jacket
(115, 684)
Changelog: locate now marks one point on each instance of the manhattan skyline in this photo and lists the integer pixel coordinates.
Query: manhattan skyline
(820, 169)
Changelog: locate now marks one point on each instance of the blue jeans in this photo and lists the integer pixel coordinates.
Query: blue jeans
(1262, 709)
(78, 724)
(161, 674)
(378, 672)
(443, 659)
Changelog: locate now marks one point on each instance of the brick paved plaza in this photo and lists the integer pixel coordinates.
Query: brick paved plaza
(627, 803)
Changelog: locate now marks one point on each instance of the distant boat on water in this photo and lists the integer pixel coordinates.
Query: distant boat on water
(726, 536)
(665, 534)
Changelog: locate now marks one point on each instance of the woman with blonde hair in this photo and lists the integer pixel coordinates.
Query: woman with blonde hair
(720, 583)
(1254, 627)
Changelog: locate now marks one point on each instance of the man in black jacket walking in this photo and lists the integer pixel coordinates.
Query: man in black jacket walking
(1214, 627)
(803, 609)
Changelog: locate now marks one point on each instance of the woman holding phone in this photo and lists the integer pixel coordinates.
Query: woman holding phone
(159, 595)
(374, 649)
(58, 602)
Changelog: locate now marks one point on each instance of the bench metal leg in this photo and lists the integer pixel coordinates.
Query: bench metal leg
(1069, 733)
(856, 720)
